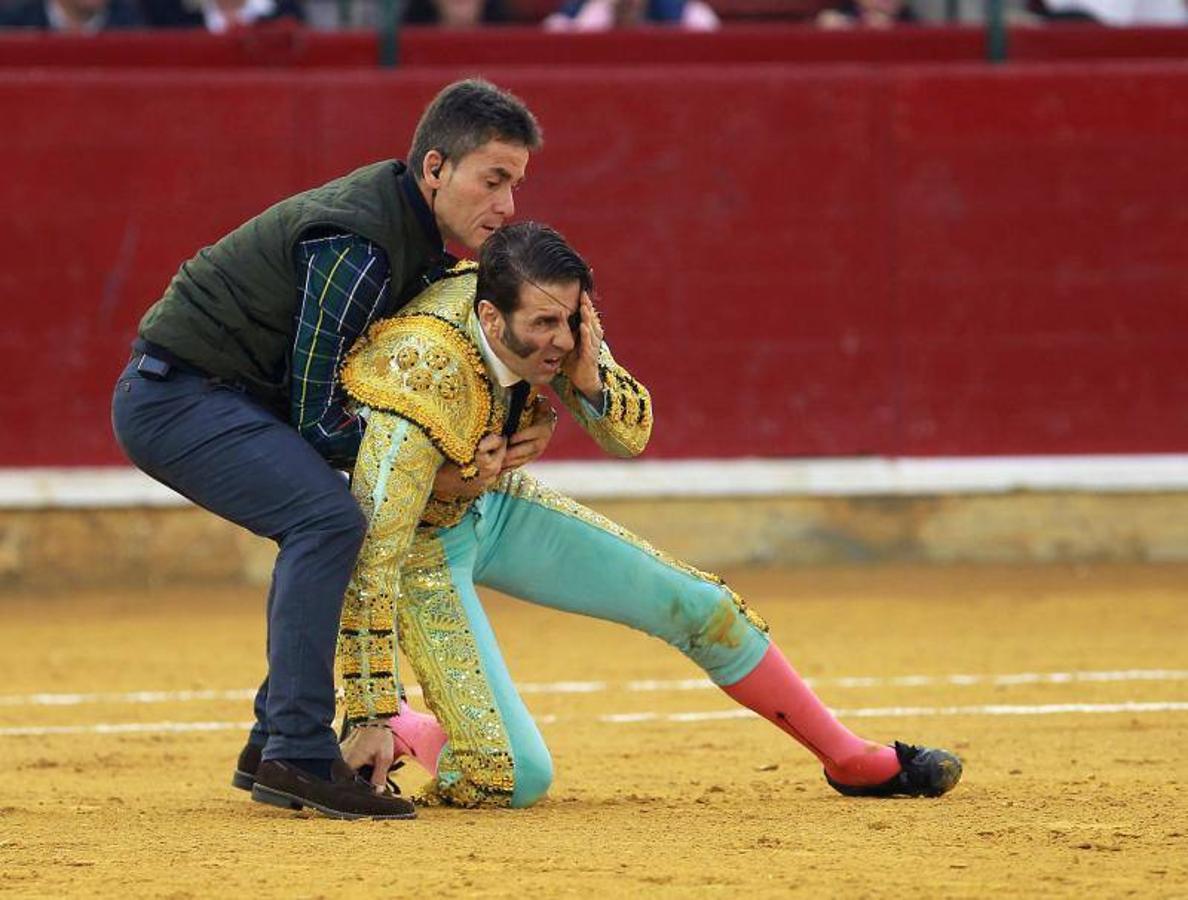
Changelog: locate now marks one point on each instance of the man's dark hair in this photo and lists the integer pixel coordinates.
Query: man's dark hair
(467, 114)
(526, 252)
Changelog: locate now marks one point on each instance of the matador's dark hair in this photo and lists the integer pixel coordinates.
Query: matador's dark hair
(467, 114)
(526, 252)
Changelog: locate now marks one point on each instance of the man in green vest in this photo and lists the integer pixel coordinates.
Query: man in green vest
(232, 397)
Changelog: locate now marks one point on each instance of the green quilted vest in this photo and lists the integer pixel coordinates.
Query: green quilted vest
(230, 310)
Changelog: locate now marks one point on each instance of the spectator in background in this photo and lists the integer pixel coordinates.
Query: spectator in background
(599, 15)
(218, 16)
(971, 12)
(72, 16)
(1120, 13)
(455, 13)
(866, 14)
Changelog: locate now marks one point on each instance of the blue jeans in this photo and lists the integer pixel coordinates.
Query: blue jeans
(227, 453)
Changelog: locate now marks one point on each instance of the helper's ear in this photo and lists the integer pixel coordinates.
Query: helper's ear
(431, 168)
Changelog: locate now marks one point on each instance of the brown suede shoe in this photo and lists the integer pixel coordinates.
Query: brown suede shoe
(344, 796)
(245, 768)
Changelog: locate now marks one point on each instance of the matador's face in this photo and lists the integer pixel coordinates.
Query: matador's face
(536, 337)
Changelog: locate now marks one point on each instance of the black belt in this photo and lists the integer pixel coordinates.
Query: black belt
(156, 369)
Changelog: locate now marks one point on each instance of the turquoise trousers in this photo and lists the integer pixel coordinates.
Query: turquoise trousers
(528, 541)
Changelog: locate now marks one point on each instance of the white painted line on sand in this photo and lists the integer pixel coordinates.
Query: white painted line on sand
(563, 687)
(125, 697)
(904, 712)
(644, 686)
(882, 712)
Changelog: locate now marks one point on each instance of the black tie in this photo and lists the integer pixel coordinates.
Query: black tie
(519, 393)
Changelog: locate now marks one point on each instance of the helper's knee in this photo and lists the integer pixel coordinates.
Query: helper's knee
(533, 774)
(343, 522)
(355, 524)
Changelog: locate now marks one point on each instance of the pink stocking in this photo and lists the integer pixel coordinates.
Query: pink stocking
(418, 735)
(776, 692)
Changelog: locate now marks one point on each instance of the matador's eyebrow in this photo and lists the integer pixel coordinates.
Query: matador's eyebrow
(553, 297)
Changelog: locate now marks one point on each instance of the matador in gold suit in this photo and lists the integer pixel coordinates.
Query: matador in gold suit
(433, 381)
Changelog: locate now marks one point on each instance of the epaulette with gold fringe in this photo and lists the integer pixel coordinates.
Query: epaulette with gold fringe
(426, 370)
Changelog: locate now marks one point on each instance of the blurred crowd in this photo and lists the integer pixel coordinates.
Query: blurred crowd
(89, 16)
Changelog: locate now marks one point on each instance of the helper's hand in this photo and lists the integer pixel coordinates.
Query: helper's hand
(449, 483)
(582, 363)
(529, 443)
(370, 745)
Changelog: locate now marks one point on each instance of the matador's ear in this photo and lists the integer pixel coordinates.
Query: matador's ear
(490, 319)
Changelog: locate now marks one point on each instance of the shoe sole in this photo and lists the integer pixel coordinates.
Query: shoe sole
(243, 780)
(273, 797)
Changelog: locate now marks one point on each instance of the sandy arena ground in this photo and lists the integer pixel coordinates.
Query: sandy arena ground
(1075, 782)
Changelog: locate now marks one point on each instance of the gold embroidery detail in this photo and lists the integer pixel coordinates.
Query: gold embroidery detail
(400, 366)
(477, 766)
(445, 512)
(420, 380)
(626, 425)
(366, 645)
(462, 267)
(406, 358)
(451, 299)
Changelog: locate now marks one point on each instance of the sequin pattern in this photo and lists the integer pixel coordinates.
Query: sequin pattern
(366, 643)
(476, 767)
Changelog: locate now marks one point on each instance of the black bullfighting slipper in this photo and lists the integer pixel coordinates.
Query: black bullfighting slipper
(344, 796)
(245, 769)
(924, 772)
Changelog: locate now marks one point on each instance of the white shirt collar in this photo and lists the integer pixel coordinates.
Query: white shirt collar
(505, 376)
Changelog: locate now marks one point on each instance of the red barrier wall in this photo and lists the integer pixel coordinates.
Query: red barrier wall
(798, 261)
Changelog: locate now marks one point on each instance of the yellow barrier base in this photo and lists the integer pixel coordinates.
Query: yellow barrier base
(62, 548)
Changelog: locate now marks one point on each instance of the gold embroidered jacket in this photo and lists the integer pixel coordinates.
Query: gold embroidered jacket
(429, 398)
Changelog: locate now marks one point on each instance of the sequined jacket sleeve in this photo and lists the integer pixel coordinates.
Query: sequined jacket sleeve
(392, 480)
(625, 423)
